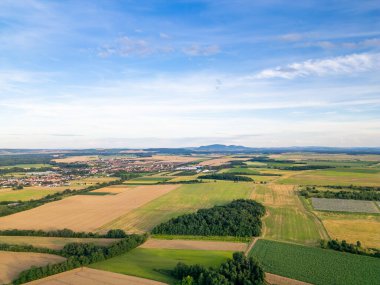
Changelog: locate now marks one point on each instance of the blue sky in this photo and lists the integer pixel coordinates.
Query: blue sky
(77, 74)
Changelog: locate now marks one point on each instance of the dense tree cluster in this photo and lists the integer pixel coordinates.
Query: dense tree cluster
(226, 176)
(21, 169)
(240, 270)
(14, 159)
(303, 167)
(354, 195)
(115, 233)
(351, 187)
(80, 254)
(26, 248)
(240, 218)
(349, 247)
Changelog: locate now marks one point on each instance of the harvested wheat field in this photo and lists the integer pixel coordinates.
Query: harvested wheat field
(91, 276)
(274, 279)
(73, 159)
(12, 263)
(84, 213)
(113, 189)
(194, 245)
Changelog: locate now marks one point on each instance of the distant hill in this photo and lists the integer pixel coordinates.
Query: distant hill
(221, 148)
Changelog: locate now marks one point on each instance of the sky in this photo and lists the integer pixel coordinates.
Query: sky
(134, 74)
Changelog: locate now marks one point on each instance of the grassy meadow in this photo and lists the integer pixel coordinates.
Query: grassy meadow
(155, 263)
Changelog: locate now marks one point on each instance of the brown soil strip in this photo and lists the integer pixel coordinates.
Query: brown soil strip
(274, 279)
(194, 245)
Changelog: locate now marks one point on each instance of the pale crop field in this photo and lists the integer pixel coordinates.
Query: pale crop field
(353, 227)
(13, 263)
(344, 205)
(91, 276)
(186, 199)
(73, 159)
(84, 213)
(220, 161)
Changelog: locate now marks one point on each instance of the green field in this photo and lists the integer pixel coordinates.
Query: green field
(315, 265)
(186, 199)
(241, 170)
(147, 180)
(336, 176)
(25, 194)
(36, 165)
(292, 224)
(155, 263)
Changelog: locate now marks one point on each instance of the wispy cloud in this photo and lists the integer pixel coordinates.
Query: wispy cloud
(348, 64)
(198, 50)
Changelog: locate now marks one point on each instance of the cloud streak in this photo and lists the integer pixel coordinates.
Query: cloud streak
(348, 64)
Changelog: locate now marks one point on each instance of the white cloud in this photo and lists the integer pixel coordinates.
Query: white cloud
(348, 64)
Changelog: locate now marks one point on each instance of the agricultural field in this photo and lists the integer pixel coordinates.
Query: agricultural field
(344, 205)
(90, 276)
(315, 265)
(38, 192)
(287, 219)
(335, 176)
(26, 166)
(353, 227)
(186, 199)
(75, 159)
(154, 263)
(84, 213)
(194, 245)
(147, 180)
(12, 263)
(52, 242)
(220, 161)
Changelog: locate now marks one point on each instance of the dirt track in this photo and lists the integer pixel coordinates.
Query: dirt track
(12, 263)
(89, 276)
(84, 212)
(194, 245)
(274, 279)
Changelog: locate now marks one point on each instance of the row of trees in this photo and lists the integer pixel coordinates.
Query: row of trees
(240, 218)
(81, 254)
(353, 187)
(240, 270)
(114, 233)
(354, 195)
(349, 247)
(226, 176)
(26, 248)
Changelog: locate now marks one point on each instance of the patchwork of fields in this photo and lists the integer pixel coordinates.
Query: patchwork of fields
(84, 213)
(340, 205)
(186, 199)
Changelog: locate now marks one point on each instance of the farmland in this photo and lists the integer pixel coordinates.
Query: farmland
(91, 276)
(52, 242)
(186, 199)
(341, 205)
(154, 263)
(12, 263)
(84, 213)
(315, 265)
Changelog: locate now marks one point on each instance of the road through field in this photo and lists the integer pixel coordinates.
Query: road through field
(84, 212)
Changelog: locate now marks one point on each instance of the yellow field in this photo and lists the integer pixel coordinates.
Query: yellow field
(72, 159)
(52, 242)
(353, 227)
(84, 213)
(12, 263)
(89, 276)
(220, 161)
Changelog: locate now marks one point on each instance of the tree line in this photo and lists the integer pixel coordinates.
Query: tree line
(240, 270)
(226, 176)
(353, 195)
(81, 254)
(344, 246)
(240, 218)
(114, 233)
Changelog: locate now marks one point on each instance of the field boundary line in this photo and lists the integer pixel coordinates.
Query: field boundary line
(251, 245)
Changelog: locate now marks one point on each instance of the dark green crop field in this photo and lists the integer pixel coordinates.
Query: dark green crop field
(316, 265)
